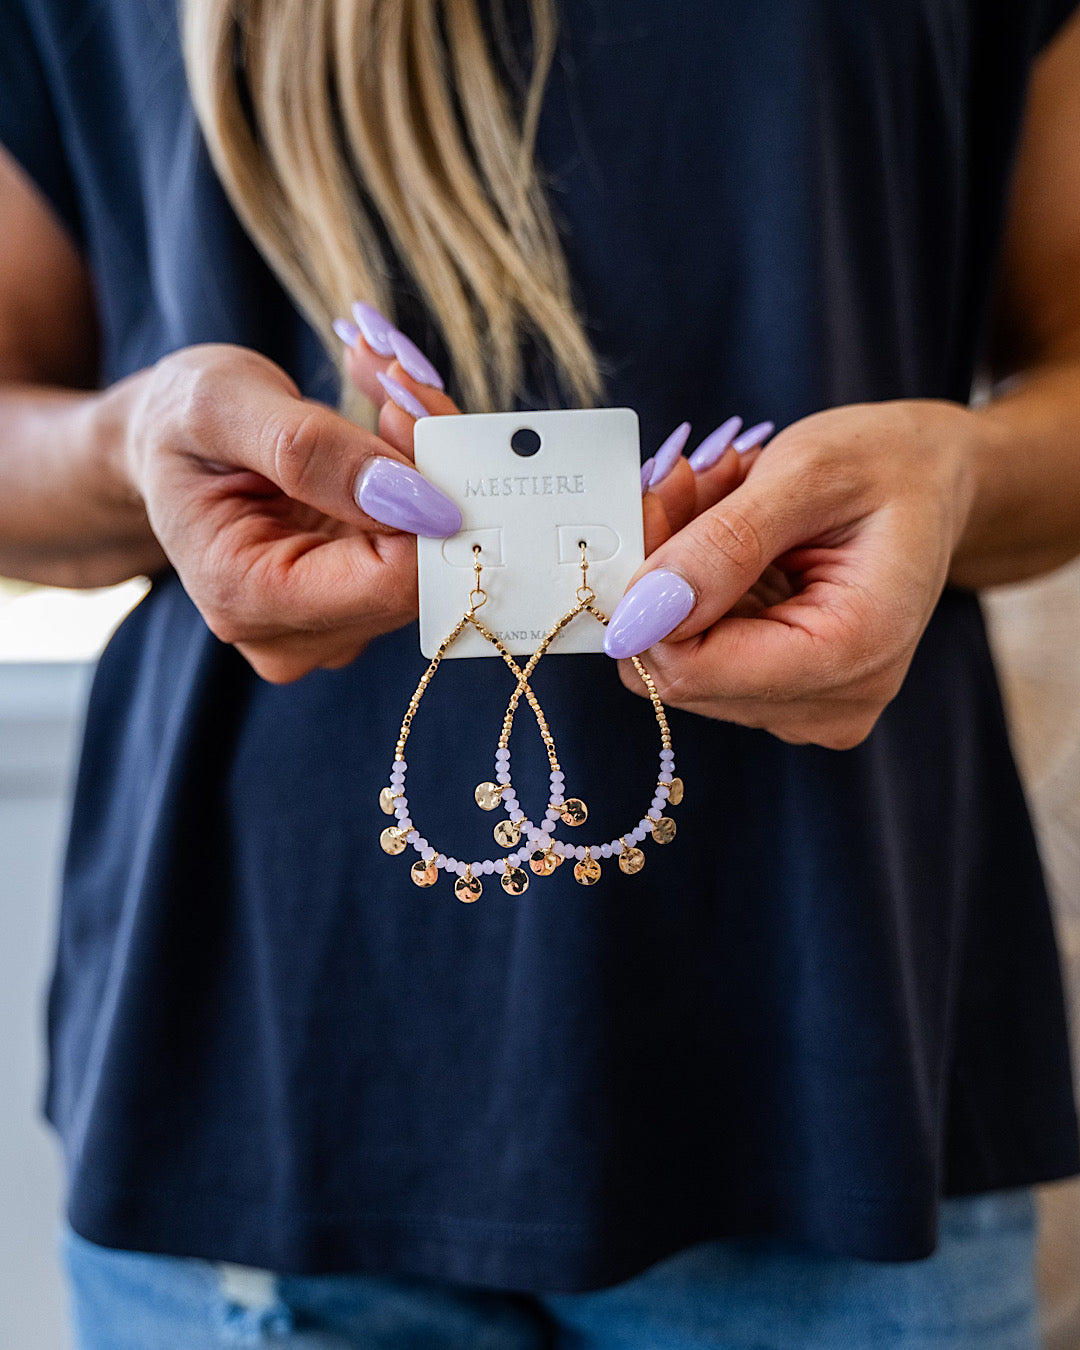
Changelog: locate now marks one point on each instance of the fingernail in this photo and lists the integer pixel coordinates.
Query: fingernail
(347, 332)
(413, 360)
(753, 436)
(668, 453)
(375, 327)
(714, 445)
(646, 473)
(400, 395)
(397, 495)
(651, 609)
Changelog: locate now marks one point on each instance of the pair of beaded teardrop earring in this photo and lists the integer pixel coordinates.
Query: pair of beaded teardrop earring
(543, 852)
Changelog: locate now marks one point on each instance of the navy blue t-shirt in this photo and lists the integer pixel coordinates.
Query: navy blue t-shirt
(834, 999)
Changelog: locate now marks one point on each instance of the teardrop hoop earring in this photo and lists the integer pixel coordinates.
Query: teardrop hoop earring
(547, 853)
(393, 801)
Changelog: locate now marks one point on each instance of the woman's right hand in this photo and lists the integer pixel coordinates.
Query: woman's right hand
(258, 499)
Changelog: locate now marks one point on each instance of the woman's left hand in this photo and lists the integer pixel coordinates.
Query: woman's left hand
(795, 603)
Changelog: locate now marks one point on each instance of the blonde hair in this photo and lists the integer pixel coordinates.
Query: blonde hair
(336, 123)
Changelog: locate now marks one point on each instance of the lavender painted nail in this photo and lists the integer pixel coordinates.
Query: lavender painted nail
(398, 394)
(413, 360)
(397, 495)
(375, 327)
(714, 445)
(753, 436)
(646, 473)
(347, 332)
(668, 453)
(649, 611)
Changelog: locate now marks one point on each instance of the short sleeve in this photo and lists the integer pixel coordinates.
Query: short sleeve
(29, 126)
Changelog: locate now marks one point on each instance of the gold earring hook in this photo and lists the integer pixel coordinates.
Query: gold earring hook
(477, 596)
(585, 592)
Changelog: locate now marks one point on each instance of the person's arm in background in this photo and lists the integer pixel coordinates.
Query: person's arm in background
(797, 602)
(1025, 518)
(291, 528)
(68, 515)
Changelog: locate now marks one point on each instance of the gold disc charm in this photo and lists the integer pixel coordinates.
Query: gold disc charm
(424, 873)
(386, 800)
(467, 888)
(488, 796)
(544, 861)
(507, 833)
(675, 792)
(631, 860)
(515, 881)
(573, 811)
(664, 830)
(587, 871)
(392, 839)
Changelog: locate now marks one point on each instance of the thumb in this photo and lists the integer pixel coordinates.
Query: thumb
(700, 573)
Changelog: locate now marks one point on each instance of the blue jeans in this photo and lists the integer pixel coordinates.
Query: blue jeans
(976, 1293)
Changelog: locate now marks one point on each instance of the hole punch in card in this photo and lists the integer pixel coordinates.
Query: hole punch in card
(530, 487)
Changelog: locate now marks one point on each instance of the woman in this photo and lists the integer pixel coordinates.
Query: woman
(736, 1100)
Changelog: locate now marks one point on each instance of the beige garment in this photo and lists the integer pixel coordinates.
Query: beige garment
(1035, 630)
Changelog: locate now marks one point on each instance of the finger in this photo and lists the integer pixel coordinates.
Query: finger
(308, 451)
(255, 589)
(405, 403)
(724, 458)
(283, 660)
(803, 673)
(837, 723)
(678, 492)
(657, 527)
(700, 572)
(374, 347)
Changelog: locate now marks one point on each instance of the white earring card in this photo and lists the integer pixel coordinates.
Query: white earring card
(531, 487)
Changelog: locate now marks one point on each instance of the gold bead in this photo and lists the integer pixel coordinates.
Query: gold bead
(587, 871)
(386, 800)
(424, 873)
(488, 796)
(675, 792)
(663, 831)
(515, 881)
(392, 840)
(573, 811)
(631, 860)
(468, 888)
(507, 833)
